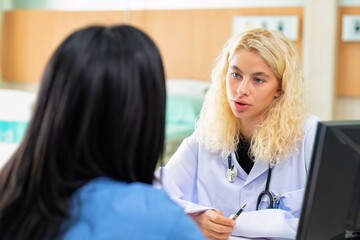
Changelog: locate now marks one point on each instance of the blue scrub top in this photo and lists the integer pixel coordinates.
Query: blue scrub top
(108, 209)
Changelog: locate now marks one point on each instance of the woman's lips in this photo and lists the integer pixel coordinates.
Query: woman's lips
(241, 105)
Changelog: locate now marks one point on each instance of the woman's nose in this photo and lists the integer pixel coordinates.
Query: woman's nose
(242, 89)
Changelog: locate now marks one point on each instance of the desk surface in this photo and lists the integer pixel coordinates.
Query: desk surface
(244, 238)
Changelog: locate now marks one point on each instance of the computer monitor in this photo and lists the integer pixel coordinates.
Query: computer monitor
(331, 206)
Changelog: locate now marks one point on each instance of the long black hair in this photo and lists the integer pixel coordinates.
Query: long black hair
(100, 112)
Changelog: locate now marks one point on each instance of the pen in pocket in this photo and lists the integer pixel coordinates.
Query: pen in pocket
(239, 212)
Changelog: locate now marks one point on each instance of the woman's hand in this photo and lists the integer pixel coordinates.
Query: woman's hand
(213, 224)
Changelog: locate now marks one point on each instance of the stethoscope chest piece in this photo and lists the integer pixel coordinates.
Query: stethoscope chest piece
(231, 173)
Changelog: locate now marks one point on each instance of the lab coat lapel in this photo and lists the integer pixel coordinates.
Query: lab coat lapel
(258, 169)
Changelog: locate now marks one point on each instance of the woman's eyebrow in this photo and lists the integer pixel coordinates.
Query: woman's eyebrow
(260, 74)
(236, 68)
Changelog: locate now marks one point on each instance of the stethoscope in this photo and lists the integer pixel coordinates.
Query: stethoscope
(231, 172)
(273, 200)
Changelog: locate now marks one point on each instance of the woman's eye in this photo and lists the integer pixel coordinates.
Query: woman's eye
(235, 75)
(257, 80)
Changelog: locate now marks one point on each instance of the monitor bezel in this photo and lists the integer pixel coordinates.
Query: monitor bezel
(323, 129)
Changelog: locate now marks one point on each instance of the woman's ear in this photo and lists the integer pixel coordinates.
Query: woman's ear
(279, 92)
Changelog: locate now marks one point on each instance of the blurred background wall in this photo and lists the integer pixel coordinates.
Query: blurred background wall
(190, 35)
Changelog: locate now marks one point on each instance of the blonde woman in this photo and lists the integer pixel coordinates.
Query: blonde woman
(252, 144)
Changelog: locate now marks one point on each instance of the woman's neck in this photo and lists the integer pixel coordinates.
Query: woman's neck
(247, 129)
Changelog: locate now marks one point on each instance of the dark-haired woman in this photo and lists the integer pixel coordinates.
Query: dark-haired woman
(85, 167)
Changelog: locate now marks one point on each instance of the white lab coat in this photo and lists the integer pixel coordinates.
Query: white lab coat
(195, 178)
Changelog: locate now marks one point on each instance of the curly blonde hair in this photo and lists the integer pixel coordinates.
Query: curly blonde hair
(280, 132)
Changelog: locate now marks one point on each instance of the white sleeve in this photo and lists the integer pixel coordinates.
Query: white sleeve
(179, 176)
(255, 224)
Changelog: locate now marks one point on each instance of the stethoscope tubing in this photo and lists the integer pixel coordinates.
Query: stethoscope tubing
(231, 175)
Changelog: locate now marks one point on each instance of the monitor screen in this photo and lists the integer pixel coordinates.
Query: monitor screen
(332, 196)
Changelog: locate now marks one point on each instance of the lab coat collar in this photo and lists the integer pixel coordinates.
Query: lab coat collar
(259, 168)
